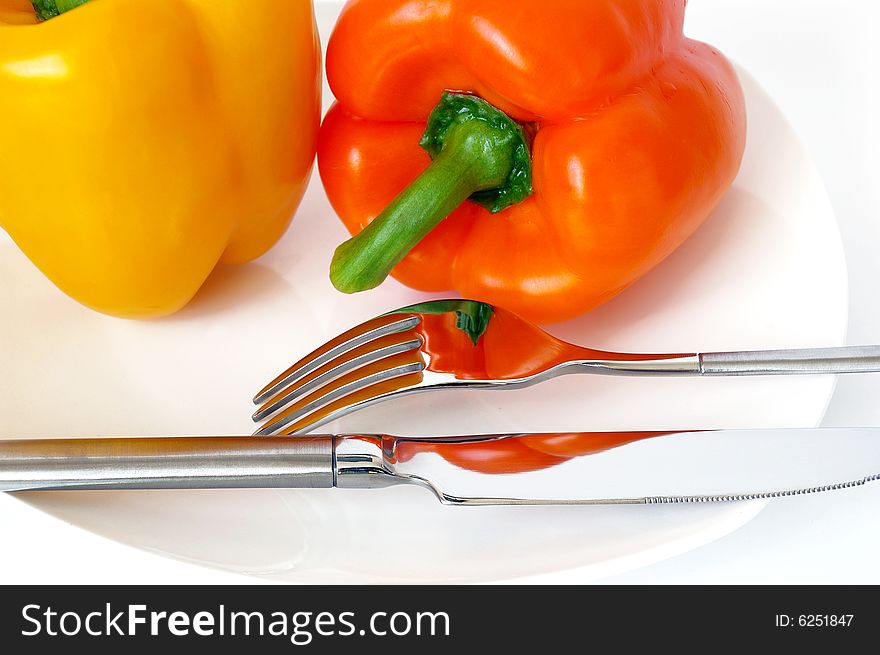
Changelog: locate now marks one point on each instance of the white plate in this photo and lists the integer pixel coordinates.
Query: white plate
(767, 270)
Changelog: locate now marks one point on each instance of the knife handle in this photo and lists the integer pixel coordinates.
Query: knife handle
(846, 359)
(167, 463)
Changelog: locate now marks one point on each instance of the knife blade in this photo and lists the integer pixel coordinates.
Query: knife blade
(580, 468)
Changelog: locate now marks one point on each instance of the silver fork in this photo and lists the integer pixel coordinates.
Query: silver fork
(468, 344)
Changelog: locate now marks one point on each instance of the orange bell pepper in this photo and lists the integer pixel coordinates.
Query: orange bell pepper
(142, 142)
(599, 135)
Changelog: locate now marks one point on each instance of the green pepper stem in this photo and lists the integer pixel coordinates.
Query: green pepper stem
(46, 9)
(475, 156)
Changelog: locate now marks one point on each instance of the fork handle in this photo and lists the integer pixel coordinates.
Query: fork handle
(167, 463)
(846, 359)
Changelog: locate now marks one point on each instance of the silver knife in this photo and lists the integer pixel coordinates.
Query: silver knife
(586, 468)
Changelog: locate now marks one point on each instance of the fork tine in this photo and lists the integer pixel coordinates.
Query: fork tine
(357, 336)
(356, 401)
(367, 353)
(351, 388)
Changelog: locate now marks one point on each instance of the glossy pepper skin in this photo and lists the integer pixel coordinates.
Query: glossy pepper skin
(144, 141)
(637, 132)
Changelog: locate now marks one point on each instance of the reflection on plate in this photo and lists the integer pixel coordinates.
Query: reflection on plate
(767, 270)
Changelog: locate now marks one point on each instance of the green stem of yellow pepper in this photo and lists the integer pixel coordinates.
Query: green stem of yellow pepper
(47, 9)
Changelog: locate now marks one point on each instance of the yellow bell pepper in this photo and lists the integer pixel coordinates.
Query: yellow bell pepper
(144, 141)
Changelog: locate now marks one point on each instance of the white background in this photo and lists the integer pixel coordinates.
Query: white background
(819, 61)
